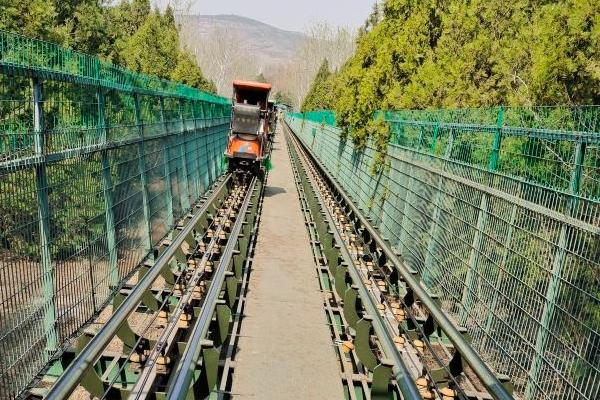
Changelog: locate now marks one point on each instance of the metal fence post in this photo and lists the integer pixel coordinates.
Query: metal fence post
(107, 190)
(409, 188)
(209, 153)
(493, 164)
(421, 137)
(434, 140)
(470, 279)
(482, 214)
(197, 156)
(434, 229)
(43, 209)
(503, 262)
(165, 151)
(203, 114)
(142, 170)
(553, 290)
(185, 193)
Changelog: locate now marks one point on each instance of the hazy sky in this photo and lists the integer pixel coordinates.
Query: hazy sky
(289, 14)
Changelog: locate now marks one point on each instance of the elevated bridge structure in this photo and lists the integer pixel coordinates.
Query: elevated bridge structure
(461, 259)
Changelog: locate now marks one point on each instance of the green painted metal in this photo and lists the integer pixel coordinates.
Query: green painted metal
(511, 198)
(482, 216)
(107, 190)
(497, 141)
(168, 172)
(364, 327)
(143, 177)
(84, 150)
(350, 306)
(380, 387)
(185, 193)
(434, 230)
(552, 293)
(20, 55)
(44, 224)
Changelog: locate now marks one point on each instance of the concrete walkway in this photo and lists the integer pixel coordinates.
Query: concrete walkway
(285, 351)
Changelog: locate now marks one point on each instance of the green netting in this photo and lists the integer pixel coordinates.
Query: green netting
(23, 55)
(536, 144)
(320, 116)
(514, 260)
(96, 165)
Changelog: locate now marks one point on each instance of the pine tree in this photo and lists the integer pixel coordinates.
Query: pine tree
(319, 95)
(260, 78)
(188, 72)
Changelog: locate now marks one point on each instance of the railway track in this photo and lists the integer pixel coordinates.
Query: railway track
(390, 335)
(186, 295)
(385, 325)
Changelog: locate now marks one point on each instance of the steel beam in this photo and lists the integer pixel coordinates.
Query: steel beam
(185, 193)
(142, 171)
(434, 230)
(482, 215)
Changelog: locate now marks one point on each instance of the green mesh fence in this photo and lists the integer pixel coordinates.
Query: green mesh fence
(320, 116)
(498, 211)
(20, 54)
(96, 165)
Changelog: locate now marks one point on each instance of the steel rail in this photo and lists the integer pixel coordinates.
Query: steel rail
(405, 381)
(184, 373)
(320, 266)
(165, 342)
(471, 357)
(240, 306)
(68, 381)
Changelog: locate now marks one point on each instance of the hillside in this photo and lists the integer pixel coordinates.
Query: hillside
(274, 44)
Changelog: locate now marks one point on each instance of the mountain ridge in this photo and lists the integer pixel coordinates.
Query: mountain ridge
(271, 45)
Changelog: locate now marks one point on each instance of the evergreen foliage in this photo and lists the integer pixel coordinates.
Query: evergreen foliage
(320, 95)
(475, 53)
(459, 53)
(283, 98)
(261, 78)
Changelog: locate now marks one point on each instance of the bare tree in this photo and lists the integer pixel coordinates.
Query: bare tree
(322, 41)
(220, 55)
(223, 57)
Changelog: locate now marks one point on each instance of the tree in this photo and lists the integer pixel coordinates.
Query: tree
(220, 56)
(283, 98)
(188, 72)
(319, 97)
(432, 54)
(260, 78)
(322, 41)
(34, 18)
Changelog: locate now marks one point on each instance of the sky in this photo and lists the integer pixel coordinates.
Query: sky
(295, 15)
